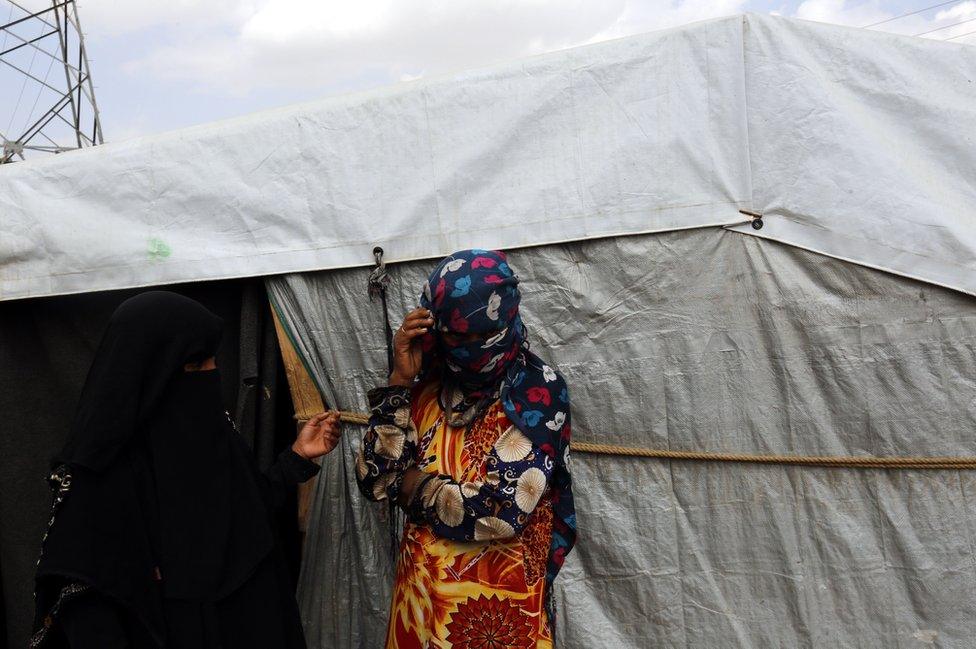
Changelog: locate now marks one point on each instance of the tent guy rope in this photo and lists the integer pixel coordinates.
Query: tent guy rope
(961, 463)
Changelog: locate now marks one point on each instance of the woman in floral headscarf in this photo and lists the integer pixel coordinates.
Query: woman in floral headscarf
(471, 438)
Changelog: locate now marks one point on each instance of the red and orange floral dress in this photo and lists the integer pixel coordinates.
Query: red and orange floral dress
(472, 566)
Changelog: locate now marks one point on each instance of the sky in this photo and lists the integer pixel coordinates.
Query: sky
(159, 66)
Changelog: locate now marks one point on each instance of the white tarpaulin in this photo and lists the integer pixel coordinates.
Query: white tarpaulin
(856, 144)
(862, 146)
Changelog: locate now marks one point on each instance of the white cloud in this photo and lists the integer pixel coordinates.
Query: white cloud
(289, 20)
(406, 76)
(956, 20)
(840, 12)
(962, 10)
(130, 126)
(316, 43)
(638, 17)
(113, 17)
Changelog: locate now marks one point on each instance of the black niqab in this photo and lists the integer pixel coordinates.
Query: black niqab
(164, 501)
(149, 339)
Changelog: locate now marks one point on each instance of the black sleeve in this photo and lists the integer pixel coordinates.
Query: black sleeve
(93, 622)
(289, 470)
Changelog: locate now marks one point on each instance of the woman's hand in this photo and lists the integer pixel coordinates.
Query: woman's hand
(407, 354)
(318, 436)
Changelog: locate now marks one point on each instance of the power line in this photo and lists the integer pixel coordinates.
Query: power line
(939, 29)
(960, 36)
(40, 89)
(30, 68)
(6, 33)
(911, 13)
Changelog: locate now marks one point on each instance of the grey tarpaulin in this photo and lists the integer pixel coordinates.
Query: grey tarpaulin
(704, 340)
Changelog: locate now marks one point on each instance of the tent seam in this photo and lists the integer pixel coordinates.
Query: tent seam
(745, 116)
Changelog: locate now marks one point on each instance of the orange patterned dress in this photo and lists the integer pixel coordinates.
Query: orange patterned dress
(453, 594)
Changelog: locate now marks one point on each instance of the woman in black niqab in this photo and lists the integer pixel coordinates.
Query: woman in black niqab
(161, 534)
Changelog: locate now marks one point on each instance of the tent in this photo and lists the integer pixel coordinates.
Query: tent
(751, 234)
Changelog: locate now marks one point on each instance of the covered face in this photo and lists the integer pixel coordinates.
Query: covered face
(474, 298)
(149, 339)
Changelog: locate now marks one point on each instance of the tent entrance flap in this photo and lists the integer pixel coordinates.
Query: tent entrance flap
(306, 400)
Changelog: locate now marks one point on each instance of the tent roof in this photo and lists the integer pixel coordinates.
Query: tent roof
(855, 144)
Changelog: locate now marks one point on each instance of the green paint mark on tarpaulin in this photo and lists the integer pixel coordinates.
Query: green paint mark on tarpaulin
(158, 249)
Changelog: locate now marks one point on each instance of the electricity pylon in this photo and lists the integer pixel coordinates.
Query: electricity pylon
(44, 114)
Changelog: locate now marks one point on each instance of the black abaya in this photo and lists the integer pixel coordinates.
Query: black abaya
(162, 521)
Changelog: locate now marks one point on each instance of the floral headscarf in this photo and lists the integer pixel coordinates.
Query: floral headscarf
(476, 291)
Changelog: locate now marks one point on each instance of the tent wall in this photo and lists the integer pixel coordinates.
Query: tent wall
(700, 340)
(46, 346)
(863, 156)
(857, 144)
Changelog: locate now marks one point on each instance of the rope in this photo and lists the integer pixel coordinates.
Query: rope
(851, 462)
(354, 417)
(959, 463)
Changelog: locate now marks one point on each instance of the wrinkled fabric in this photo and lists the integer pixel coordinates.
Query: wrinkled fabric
(473, 559)
(701, 340)
(160, 508)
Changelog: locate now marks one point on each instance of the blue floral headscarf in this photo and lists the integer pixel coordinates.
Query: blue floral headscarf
(476, 291)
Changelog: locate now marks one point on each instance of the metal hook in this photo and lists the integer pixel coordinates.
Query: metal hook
(379, 278)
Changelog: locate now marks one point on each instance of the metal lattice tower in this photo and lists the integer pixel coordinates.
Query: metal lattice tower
(47, 100)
